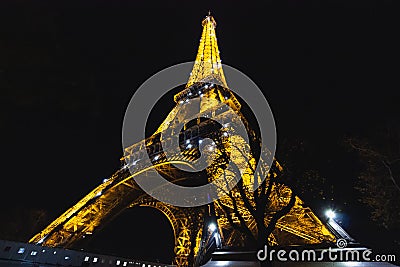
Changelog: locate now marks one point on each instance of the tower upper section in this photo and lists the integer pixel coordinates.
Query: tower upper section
(208, 63)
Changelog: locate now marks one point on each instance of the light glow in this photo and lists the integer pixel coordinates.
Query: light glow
(330, 214)
(212, 227)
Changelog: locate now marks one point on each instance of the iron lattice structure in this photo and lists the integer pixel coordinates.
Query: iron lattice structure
(120, 191)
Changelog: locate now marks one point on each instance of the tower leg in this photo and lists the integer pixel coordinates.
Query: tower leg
(187, 239)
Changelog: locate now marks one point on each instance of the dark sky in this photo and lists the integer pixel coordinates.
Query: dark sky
(68, 71)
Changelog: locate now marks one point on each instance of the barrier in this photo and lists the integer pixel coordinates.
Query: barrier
(36, 254)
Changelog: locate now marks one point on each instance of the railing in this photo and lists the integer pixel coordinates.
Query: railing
(31, 253)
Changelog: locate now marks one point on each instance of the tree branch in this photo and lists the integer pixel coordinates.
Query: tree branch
(387, 165)
(279, 214)
(363, 149)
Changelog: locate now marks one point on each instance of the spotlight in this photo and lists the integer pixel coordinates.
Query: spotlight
(212, 227)
(330, 214)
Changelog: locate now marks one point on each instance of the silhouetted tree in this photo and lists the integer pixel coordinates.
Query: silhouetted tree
(298, 160)
(378, 181)
(379, 178)
(259, 203)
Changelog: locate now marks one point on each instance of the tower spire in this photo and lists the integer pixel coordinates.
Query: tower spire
(207, 66)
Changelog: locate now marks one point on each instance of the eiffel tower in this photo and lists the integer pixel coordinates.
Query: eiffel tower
(120, 192)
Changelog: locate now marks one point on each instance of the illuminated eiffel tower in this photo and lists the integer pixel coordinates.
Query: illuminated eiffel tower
(120, 191)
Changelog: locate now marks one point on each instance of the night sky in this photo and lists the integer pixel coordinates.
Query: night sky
(68, 71)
